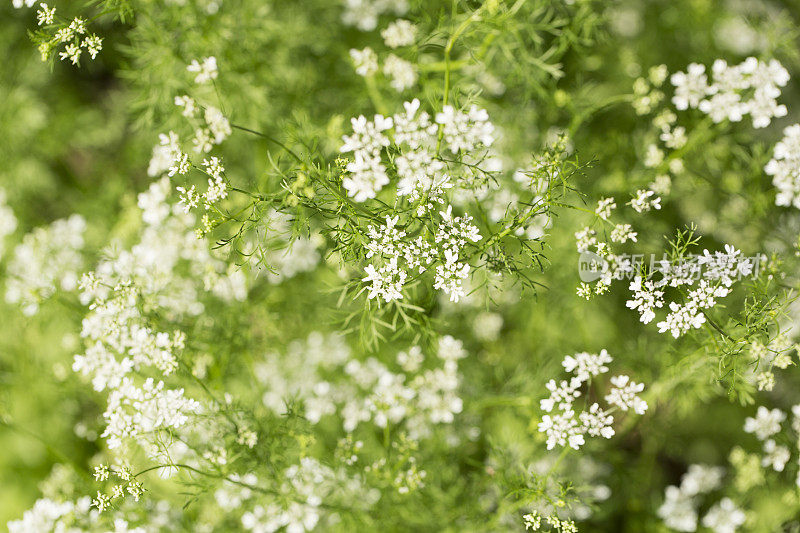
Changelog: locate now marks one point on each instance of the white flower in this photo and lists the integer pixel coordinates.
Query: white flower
(623, 233)
(188, 104)
(701, 479)
(624, 395)
(399, 33)
(678, 510)
(645, 200)
(766, 423)
(645, 298)
(366, 177)
(365, 61)
(604, 208)
(562, 429)
(387, 281)
(206, 69)
(465, 131)
(690, 86)
(784, 167)
(585, 239)
(364, 14)
(401, 72)
(597, 423)
(561, 394)
(775, 456)
(45, 15)
(724, 517)
(585, 365)
(93, 45)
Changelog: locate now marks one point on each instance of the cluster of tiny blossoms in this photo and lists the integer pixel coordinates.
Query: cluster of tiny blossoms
(401, 73)
(211, 128)
(423, 182)
(533, 522)
(166, 272)
(414, 138)
(72, 34)
(415, 397)
(680, 508)
(397, 257)
(587, 240)
(706, 278)
(364, 14)
(563, 428)
(299, 503)
(47, 260)
(750, 87)
(766, 426)
(784, 167)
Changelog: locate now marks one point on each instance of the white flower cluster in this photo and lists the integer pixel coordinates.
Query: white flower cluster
(415, 397)
(402, 73)
(414, 137)
(766, 426)
(48, 259)
(73, 35)
(533, 521)
(679, 510)
(711, 277)
(766, 423)
(298, 505)
(205, 69)
(784, 167)
(401, 257)
(399, 33)
(751, 87)
(297, 372)
(169, 158)
(364, 14)
(167, 271)
(563, 428)
(144, 410)
(49, 515)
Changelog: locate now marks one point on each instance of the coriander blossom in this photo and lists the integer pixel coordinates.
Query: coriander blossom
(623, 233)
(766, 422)
(724, 517)
(624, 394)
(585, 365)
(701, 479)
(784, 167)
(562, 429)
(365, 61)
(646, 297)
(93, 45)
(45, 15)
(604, 208)
(188, 104)
(690, 86)
(644, 201)
(775, 456)
(401, 72)
(465, 131)
(678, 511)
(205, 69)
(399, 33)
(364, 14)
